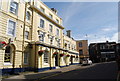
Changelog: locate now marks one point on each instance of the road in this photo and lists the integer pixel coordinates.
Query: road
(97, 71)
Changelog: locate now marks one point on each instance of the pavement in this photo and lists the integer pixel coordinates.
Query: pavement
(43, 74)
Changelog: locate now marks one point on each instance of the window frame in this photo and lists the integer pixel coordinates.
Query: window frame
(50, 28)
(16, 9)
(13, 28)
(46, 59)
(42, 34)
(80, 44)
(57, 32)
(28, 16)
(27, 36)
(51, 16)
(57, 20)
(42, 23)
(42, 9)
(26, 58)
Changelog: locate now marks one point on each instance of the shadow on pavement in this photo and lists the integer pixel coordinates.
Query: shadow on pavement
(33, 77)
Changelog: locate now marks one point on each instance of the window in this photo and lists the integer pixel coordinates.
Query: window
(80, 44)
(26, 34)
(80, 52)
(42, 23)
(57, 20)
(41, 36)
(42, 9)
(51, 28)
(26, 58)
(0, 3)
(11, 28)
(28, 15)
(14, 7)
(46, 57)
(57, 32)
(51, 16)
(8, 54)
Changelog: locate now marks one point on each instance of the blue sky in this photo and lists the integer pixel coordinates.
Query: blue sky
(99, 20)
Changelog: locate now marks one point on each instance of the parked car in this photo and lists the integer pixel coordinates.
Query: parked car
(87, 62)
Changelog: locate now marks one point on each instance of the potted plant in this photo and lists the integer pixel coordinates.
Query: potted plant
(76, 56)
(67, 55)
(40, 52)
(2, 44)
(61, 55)
(55, 53)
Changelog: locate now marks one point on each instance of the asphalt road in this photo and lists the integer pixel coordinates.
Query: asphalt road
(103, 71)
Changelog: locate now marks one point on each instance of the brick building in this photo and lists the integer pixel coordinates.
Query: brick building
(82, 48)
(101, 52)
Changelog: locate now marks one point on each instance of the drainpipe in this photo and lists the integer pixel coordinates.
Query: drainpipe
(35, 64)
(24, 33)
(50, 53)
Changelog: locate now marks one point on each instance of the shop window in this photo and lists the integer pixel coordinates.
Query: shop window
(8, 54)
(46, 57)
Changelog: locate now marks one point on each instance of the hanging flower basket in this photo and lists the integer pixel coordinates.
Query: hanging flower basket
(40, 52)
(76, 56)
(55, 53)
(72, 56)
(2, 44)
(67, 55)
(61, 55)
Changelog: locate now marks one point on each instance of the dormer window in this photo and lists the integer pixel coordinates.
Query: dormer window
(57, 20)
(51, 16)
(42, 9)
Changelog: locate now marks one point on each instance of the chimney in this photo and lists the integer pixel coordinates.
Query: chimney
(54, 10)
(68, 33)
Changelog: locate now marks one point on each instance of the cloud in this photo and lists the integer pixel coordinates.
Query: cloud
(109, 29)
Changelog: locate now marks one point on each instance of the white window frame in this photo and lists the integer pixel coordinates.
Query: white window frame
(9, 63)
(41, 34)
(14, 28)
(46, 59)
(15, 8)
